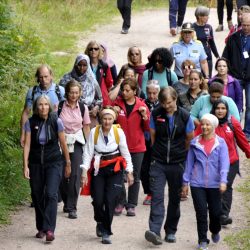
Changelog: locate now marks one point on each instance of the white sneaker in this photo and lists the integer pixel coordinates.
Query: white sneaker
(178, 29)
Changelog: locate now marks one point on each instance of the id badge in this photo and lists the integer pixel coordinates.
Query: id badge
(245, 54)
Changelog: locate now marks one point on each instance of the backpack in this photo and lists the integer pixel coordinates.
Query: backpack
(115, 128)
(168, 76)
(57, 90)
(81, 105)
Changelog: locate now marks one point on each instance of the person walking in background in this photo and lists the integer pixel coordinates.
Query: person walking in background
(220, 12)
(133, 116)
(231, 85)
(107, 145)
(237, 52)
(152, 102)
(204, 33)
(124, 7)
(171, 130)
(177, 10)
(46, 86)
(75, 117)
(189, 48)
(206, 171)
(230, 130)
(43, 163)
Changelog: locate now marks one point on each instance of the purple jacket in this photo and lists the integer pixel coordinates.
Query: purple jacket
(234, 91)
(207, 171)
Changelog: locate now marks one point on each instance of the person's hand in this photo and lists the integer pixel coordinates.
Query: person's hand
(84, 181)
(130, 179)
(184, 191)
(223, 187)
(143, 112)
(26, 172)
(67, 171)
(22, 139)
(117, 109)
(205, 81)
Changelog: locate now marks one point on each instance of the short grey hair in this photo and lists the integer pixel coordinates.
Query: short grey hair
(37, 102)
(201, 11)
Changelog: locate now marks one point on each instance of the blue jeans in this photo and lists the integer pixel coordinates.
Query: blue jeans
(174, 7)
(44, 183)
(246, 85)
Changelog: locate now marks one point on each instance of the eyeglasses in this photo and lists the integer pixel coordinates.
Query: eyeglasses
(159, 61)
(92, 49)
(135, 54)
(188, 67)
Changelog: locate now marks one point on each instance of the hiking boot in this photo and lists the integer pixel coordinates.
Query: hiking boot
(50, 236)
(118, 210)
(72, 215)
(147, 200)
(173, 31)
(131, 211)
(40, 234)
(215, 238)
(230, 24)
(170, 238)
(153, 237)
(124, 31)
(203, 246)
(225, 220)
(99, 229)
(106, 239)
(219, 28)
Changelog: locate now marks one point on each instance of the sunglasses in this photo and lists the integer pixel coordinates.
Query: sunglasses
(188, 67)
(159, 61)
(92, 49)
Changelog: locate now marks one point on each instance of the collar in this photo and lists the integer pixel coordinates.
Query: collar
(68, 105)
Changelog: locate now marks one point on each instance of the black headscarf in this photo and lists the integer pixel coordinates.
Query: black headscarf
(215, 105)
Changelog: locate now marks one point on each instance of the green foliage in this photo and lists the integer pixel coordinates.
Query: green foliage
(240, 240)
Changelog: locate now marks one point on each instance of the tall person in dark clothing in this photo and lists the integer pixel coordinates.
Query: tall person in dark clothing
(124, 7)
(171, 129)
(237, 52)
(204, 33)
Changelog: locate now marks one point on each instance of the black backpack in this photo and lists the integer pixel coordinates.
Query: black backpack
(57, 90)
(81, 105)
(168, 75)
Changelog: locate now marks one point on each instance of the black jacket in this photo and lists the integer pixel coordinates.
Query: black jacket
(50, 151)
(169, 148)
(233, 52)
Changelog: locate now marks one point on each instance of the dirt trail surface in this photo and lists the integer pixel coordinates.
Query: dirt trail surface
(149, 30)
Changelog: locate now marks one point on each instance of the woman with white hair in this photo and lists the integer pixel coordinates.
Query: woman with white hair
(206, 170)
(204, 33)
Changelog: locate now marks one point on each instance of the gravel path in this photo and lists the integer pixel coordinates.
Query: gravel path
(149, 30)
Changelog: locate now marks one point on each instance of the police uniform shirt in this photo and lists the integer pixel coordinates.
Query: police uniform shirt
(51, 93)
(193, 51)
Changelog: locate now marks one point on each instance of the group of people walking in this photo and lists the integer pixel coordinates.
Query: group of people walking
(100, 129)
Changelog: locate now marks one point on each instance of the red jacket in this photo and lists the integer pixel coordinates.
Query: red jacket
(232, 138)
(133, 125)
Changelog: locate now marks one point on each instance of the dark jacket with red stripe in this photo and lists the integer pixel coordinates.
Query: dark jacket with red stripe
(133, 125)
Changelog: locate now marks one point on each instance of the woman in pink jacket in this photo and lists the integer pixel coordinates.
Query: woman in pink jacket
(133, 116)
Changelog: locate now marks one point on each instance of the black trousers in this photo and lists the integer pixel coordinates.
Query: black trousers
(105, 188)
(227, 196)
(145, 169)
(44, 183)
(220, 10)
(207, 200)
(133, 190)
(124, 7)
(70, 186)
(160, 174)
